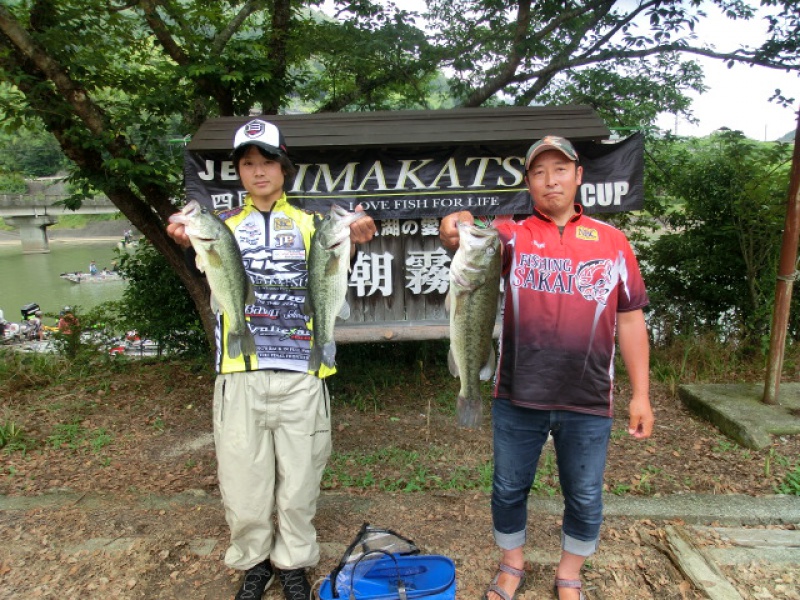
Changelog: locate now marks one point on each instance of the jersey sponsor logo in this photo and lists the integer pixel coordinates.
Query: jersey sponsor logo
(256, 311)
(289, 254)
(285, 240)
(587, 233)
(593, 280)
(248, 233)
(282, 224)
(282, 333)
(294, 315)
(543, 274)
(267, 262)
(279, 299)
(227, 214)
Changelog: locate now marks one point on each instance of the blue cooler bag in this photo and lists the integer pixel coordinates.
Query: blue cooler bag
(383, 565)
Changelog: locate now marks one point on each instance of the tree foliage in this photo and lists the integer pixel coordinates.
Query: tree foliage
(714, 267)
(31, 153)
(115, 80)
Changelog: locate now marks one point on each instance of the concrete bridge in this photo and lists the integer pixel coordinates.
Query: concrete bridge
(33, 214)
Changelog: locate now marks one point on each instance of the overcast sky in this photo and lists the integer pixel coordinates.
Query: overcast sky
(738, 97)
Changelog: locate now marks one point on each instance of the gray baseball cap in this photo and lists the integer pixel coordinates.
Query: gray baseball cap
(550, 142)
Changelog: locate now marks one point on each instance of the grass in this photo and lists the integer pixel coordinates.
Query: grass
(375, 375)
(791, 483)
(79, 220)
(75, 437)
(409, 471)
(404, 471)
(13, 438)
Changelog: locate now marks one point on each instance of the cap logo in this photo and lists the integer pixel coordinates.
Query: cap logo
(254, 129)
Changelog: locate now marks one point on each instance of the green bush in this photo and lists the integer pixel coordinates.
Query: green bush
(12, 183)
(156, 304)
(712, 265)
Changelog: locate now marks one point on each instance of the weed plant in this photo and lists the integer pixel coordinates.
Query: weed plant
(706, 359)
(13, 438)
(791, 483)
(369, 375)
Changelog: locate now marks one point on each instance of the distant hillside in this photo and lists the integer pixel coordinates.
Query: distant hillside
(789, 137)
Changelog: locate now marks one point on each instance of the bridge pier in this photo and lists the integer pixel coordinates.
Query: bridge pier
(32, 232)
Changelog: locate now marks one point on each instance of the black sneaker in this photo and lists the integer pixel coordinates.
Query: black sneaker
(295, 584)
(256, 581)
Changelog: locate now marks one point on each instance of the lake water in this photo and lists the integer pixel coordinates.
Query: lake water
(34, 278)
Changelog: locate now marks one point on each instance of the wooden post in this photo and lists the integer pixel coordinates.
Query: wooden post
(787, 273)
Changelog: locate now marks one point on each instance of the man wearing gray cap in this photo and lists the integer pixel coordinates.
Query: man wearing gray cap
(572, 286)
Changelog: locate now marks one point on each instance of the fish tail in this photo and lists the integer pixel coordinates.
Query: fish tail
(314, 359)
(239, 343)
(329, 353)
(248, 343)
(469, 411)
(234, 346)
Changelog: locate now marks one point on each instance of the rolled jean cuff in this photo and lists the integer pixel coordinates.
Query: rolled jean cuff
(578, 547)
(509, 541)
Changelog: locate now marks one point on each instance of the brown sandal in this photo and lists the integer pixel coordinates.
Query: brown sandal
(493, 587)
(568, 583)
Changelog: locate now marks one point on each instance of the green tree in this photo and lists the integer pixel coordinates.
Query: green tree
(629, 60)
(713, 269)
(114, 81)
(31, 153)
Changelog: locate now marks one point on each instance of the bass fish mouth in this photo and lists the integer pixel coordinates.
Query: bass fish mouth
(336, 245)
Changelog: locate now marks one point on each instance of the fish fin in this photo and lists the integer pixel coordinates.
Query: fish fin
(241, 344)
(488, 369)
(469, 412)
(452, 364)
(215, 305)
(234, 345)
(344, 312)
(329, 354)
(314, 359)
(250, 296)
(213, 257)
(248, 342)
(332, 266)
(199, 263)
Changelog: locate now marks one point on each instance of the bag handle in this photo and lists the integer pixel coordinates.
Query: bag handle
(401, 587)
(366, 529)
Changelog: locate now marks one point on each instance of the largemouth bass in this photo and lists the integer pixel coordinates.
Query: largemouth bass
(328, 265)
(472, 304)
(218, 256)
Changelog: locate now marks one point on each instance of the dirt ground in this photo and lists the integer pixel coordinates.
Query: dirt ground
(128, 453)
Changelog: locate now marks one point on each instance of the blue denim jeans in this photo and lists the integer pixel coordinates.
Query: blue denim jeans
(581, 444)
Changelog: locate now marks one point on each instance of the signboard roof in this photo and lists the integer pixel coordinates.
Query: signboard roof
(450, 127)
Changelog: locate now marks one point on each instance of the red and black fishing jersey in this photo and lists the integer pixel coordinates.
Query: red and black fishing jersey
(563, 291)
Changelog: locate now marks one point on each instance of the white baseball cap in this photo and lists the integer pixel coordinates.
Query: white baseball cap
(262, 134)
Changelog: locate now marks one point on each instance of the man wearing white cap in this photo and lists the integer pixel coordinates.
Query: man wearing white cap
(572, 284)
(271, 414)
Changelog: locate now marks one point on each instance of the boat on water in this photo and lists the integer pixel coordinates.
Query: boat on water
(15, 338)
(99, 277)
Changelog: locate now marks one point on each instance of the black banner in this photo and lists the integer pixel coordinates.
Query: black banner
(401, 183)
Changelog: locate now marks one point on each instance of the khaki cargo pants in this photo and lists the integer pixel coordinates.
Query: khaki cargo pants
(272, 432)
